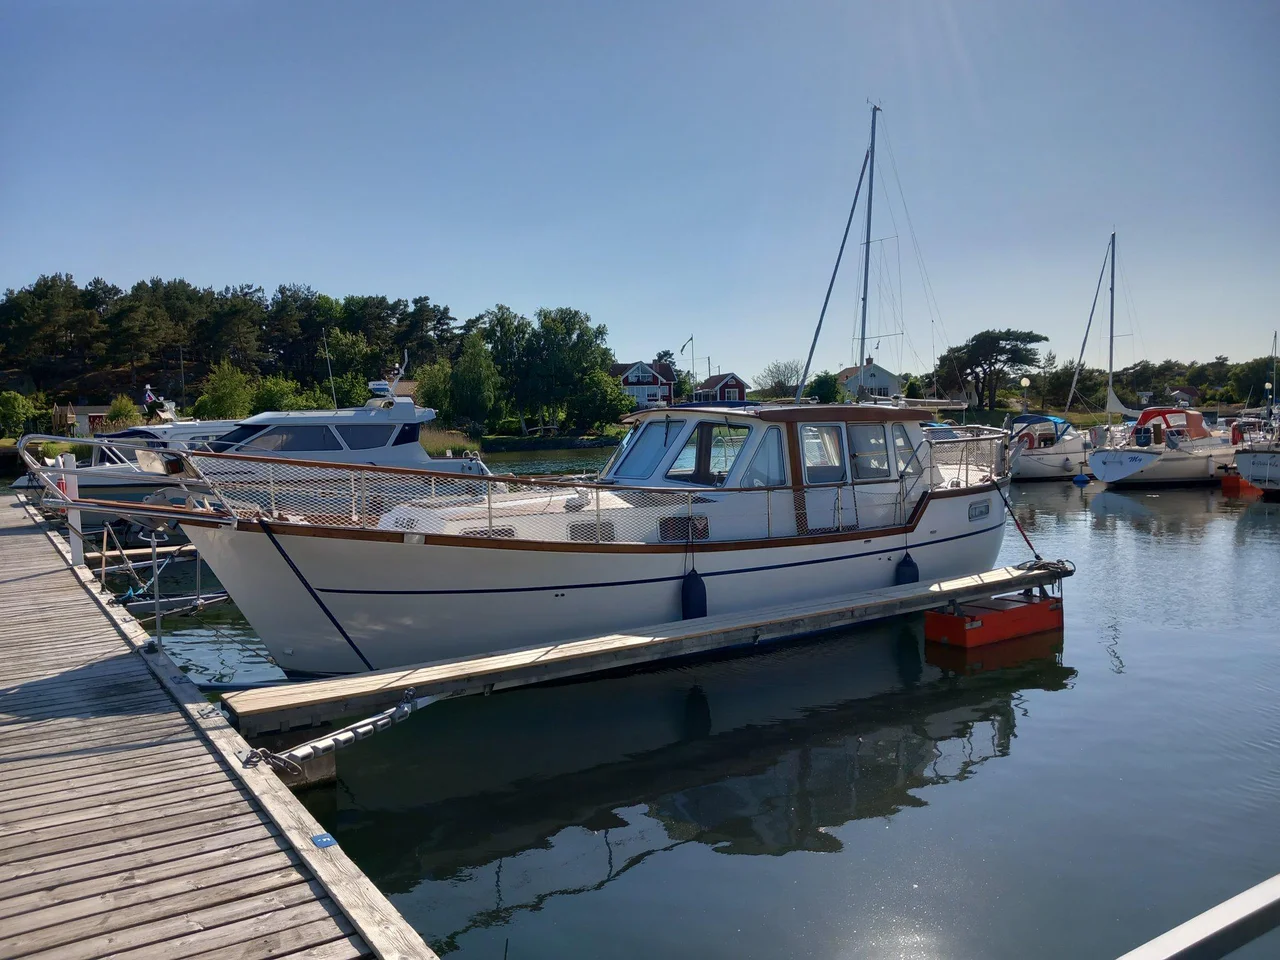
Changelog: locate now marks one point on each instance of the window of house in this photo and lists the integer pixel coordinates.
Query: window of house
(648, 448)
(767, 467)
(709, 453)
(365, 436)
(904, 451)
(870, 452)
(731, 393)
(291, 438)
(823, 453)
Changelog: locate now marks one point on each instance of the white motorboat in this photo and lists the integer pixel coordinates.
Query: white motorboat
(1258, 460)
(1166, 446)
(762, 505)
(1045, 448)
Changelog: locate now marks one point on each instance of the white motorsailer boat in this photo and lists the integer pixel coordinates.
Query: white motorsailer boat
(1258, 460)
(1167, 446)
(1045, 448)
(756, 505)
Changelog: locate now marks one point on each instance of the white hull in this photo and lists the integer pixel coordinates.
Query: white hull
(1150, 466)
(1062, 461)
(401, 603)
(1260, 468)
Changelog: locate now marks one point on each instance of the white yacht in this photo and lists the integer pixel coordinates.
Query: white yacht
(1045, 448)
(760, 505)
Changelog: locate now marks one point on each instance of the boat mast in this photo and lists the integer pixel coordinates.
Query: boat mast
(1111, 347)
(861, 358)
(1075, 377)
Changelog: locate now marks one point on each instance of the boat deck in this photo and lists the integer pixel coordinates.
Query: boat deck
(127, 826)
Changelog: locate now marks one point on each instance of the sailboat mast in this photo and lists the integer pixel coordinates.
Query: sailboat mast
(1111, 347)
(861, 358)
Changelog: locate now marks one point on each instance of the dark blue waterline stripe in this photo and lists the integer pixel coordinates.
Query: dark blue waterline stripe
(630, 583)
(314, 596)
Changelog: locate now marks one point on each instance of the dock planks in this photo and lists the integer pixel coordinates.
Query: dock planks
(127, 827)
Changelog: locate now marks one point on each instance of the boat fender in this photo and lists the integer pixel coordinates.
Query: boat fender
(1080, 480)
(693, 596)
(907, 571)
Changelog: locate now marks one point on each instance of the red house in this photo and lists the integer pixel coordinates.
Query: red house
(720, 388)
(649, 383)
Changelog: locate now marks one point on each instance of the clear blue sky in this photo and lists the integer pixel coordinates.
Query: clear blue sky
(671, 168)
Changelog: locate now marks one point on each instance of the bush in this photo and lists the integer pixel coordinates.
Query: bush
(825, 388)
(122, 414)
(15, 410)
(435, 389)
(227, 394)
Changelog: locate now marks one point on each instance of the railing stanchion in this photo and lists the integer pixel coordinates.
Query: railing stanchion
(597, 514)
(103, 575)
(364, 498)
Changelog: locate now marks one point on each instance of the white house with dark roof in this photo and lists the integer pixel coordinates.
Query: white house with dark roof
(877, 381)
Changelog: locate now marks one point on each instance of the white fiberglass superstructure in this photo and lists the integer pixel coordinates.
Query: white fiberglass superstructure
(765, 505)
(1045, 448)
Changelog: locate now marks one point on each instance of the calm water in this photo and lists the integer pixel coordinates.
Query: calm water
(863, 796)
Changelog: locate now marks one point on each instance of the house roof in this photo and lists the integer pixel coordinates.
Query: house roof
(848, 372)
(713, 383)
(1184, 389)
(664, 371)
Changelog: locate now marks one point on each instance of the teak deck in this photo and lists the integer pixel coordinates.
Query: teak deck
(300, 705)
(127, 827)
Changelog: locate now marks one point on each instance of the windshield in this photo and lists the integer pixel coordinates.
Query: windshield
(234, 438)
(647, 449)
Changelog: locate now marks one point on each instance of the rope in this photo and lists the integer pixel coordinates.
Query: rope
(1008, 506)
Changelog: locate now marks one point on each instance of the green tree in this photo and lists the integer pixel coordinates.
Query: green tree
(826, 388)
(15, 411)
(598, 401)
(227, 394)
(563, 349)
(352, 389)
(1248, 380)
(122, 413)
(507, 335)
(912, 389)
(427, 331)
(276, 393)
(683, 389)
(237, 317)
(435, 387)
(475, 380)
(350, 353)
(665, 356)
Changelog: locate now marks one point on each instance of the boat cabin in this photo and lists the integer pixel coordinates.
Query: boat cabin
(1036, 432)
(768, 446)
(1157, 423)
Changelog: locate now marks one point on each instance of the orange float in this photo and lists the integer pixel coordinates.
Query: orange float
(982, 622)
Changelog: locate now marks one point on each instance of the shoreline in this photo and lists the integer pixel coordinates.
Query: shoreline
(522, 444)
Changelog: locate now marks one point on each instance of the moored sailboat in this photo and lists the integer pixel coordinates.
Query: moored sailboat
(1165, 446)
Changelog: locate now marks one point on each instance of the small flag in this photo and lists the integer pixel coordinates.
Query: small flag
(148, 397)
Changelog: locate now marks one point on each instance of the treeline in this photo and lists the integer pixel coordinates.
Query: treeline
(994, 362)
(237, 347)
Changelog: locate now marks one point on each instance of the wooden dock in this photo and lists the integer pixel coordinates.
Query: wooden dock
(317, 702)
(128, 828)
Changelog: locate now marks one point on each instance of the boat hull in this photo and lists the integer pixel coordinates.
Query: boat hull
(1062, 461)
(1262, 469)
(326, 601)
(1146, 467)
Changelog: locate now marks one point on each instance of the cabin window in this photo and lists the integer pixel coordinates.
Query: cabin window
(648, 448)
(709, 454)
(904, 451)
(291, 438)
(731, 393)
(870, 452)
(823, 454)
(767, 468)
(409, 433)
(234, 438)
(365, 436)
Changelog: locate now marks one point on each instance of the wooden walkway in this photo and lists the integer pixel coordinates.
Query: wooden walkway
(127, 828)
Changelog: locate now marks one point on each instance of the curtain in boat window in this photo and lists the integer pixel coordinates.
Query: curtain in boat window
(823, 454)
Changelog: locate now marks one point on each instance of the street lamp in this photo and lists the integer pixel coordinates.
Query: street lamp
(1268, 386)
(1025, 383)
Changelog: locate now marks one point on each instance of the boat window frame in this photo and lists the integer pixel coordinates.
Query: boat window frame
(914, 466)
(671, 441)
(326, 428)
(854, 456)
(844, 453)
(704, 443)
(769, 430)
(392, 433)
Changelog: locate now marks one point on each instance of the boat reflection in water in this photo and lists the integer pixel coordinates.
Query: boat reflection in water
(479, 809)
(1181, 516)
